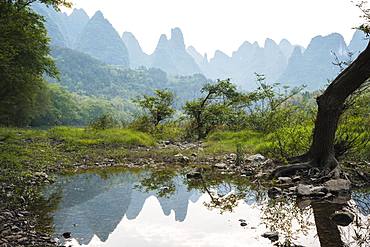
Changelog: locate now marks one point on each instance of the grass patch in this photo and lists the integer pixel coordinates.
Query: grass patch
(227, 141)
(25, 150)
(29, 150)
(82, 136)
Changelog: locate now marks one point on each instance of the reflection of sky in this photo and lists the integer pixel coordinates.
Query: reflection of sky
(92, 206)
(202, 227)
(113, 213)
(363, 202)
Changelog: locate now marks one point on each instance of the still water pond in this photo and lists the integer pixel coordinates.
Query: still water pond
(164, 208)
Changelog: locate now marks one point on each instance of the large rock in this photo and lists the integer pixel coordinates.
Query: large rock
(304, 190)
(310, 190)
(337, 185)
(319, 190)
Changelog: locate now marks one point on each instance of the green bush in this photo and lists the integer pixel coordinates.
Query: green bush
(142, 123)
(227, 141)
(171, 131)
(106, 121)
(353, 134)
(289, 141)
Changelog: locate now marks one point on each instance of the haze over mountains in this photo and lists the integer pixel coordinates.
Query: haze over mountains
(281, 62)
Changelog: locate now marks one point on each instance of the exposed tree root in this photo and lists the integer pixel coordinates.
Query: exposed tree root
(299, 159)
(327, 169)
(284, 171)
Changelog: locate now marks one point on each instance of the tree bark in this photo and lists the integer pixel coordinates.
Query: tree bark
(330, 107)
(327, 230)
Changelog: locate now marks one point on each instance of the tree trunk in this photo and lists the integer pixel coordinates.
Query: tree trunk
(321, 152)
(330, 107)
(327, 230)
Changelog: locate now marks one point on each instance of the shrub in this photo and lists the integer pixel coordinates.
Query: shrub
(157, 107)
(105, 121)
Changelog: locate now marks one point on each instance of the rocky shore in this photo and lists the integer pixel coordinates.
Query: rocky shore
(18, 228)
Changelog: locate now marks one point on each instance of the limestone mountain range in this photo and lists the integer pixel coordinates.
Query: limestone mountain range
(280, 62)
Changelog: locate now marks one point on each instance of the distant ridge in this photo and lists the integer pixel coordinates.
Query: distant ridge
(281, 62)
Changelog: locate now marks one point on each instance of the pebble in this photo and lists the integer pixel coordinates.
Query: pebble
(182, 158)
(285, 180)
(220, 166)
(342, 218)
(194, 175)
(273, 236)
(66, 235)
(274, 192)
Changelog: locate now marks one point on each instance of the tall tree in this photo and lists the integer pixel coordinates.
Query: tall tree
(331, 104)
(24, 59)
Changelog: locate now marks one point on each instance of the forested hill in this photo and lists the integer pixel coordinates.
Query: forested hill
(86, 75)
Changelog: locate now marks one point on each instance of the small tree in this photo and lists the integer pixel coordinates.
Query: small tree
(220, 105)
(268, 110)
(159, 106)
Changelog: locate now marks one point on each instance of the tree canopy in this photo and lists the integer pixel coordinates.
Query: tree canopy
(24, 59)
(159, 107)
(56, 4)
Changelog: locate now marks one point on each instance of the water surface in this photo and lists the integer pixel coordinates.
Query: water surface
(163, 208)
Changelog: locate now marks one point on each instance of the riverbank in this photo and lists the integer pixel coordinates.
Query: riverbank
(30, 159)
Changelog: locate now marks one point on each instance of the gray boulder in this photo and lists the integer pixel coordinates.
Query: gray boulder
(337, 185)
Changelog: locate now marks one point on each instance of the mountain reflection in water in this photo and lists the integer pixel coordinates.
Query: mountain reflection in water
(165, 209)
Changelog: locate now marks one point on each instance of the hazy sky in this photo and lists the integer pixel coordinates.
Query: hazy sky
(225, 24)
